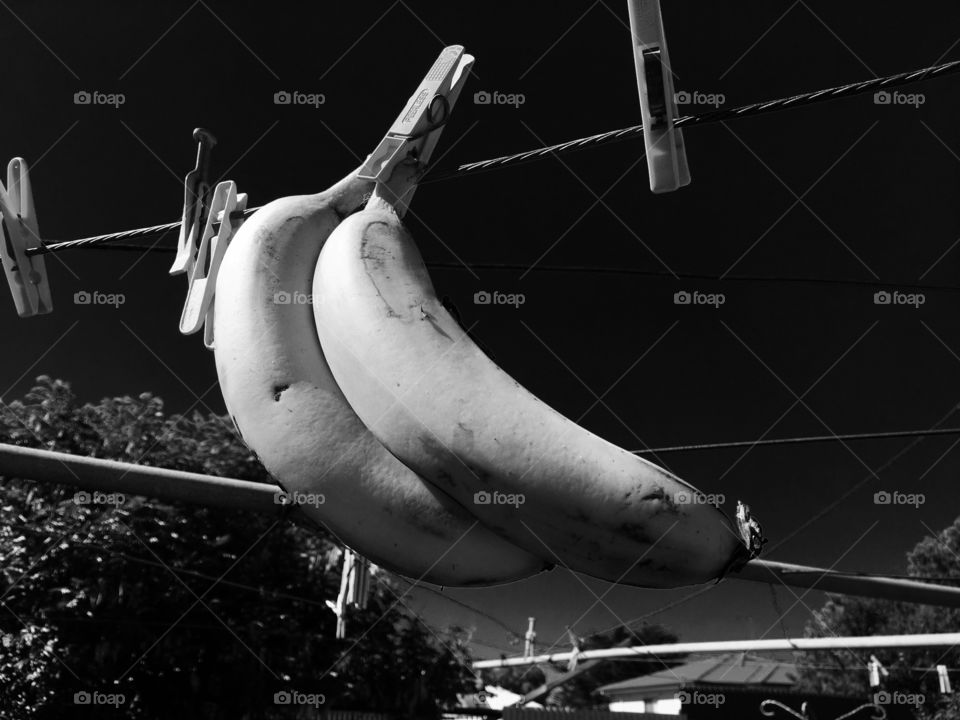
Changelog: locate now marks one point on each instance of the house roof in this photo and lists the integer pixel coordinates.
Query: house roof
(728, 670)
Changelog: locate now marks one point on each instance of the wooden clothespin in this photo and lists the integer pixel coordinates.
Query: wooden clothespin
(26, 274)
(416, 131)
(666, 152)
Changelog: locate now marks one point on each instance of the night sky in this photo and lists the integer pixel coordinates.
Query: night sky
(847, 190)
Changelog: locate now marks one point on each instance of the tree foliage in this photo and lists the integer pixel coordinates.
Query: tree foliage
(911, 671)
(185, 611)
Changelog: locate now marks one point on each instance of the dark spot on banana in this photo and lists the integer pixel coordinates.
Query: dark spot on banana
(278, 390)
(637, 532)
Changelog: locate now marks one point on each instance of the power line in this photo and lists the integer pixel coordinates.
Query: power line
(463, 605)
(802, 440)
(613, 270)
(612, 136)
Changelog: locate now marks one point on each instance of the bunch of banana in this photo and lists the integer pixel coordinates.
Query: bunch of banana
(441, 406)
(290, 411)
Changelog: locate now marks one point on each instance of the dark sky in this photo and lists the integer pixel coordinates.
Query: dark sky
(849, 190)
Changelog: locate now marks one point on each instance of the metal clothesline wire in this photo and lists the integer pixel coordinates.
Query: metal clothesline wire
(612, 136)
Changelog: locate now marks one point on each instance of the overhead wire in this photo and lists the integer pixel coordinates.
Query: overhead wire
(801, 440)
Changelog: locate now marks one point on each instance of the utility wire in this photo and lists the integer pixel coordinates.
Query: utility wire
(801, 440)
(612, 270)
(605, 138)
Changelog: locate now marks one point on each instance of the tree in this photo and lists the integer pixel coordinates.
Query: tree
(185, 611)
(843, 672)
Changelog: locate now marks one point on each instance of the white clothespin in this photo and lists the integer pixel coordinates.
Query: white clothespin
(575, 653)
(198, 309)
(530, 638)
(354, 589)
(666, 153)
(876, 669)
(358, 588)
(944, 677)
(196, 202)
(26, 274)
(414, 134)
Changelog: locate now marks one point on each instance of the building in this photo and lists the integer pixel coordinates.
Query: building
(719, 687)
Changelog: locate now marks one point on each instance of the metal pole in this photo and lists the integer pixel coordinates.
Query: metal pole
(97, 474)
(727, 646)
(773, 573)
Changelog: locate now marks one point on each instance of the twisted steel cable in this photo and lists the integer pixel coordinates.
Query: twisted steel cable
(605, 138)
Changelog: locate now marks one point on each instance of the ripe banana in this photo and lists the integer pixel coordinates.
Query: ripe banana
(448, 412)
(289, 410)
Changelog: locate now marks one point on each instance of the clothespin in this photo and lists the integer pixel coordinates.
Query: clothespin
(26, 274)
(666, 152)
(413, 136)
(575, 653)
(354, 589)
(205, 266)
(876, 669)
(358, 589)
(529, 638)
(944, 677)
(196, 203)
(339, 607)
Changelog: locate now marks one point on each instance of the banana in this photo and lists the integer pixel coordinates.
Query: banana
(438, 403)
(289, 410)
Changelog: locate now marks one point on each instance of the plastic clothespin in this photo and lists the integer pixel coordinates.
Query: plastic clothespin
(575, 653)
(198, 309)
(875, 669)
(354, 589)
(666, 152)
(415, 133)
(530, 638)
(358, 588)
(26, 274)
(196, 203)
